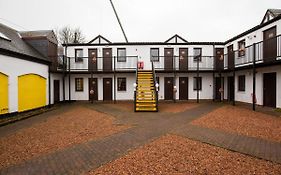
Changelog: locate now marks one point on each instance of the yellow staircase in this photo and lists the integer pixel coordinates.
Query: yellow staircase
(146, 97)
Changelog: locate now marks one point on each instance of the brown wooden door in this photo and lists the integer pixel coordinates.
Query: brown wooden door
(169, 85)
(93, 59)
(93, 85)
(56, 91)
(218, 85)
(107, 59)
(168, 58)
(219, 63)
(230, 88)
(183, 88)
(269, 45)
(183, 59)
(269, 89)
(107, 89)
(230, 55)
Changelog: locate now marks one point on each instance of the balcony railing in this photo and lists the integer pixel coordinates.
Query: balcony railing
(183, 63)
(267, 51)
(98, 64)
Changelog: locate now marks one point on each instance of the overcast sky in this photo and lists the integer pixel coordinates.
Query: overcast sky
(143, 20)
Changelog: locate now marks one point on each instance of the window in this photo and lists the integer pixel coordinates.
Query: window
(121, 55)
(78, 84)
(197, 83)
(154, 54)
(121, 84)
(241, 83)
(78, 55)
(241, 48)
(197, 52)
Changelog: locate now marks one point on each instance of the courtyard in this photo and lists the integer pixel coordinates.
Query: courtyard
(182, 138)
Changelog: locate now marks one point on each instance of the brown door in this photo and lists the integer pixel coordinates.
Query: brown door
(269, 45)
(107, 59)
(218, 86)
(93, 59)
(93, 86)
(56, 91)
(230, 55)
(219, 63)
(269, 89)
(169, 85)
(107, 89)
(183, 58)
(230, 88)
(168, 58)
(183, 88)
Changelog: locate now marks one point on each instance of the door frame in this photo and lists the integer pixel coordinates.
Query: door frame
(187, 84)
(166, 95)
(105, 94)
(96, 91)
(271, 90)
(169, 60)
(182, 65)
(90, 60)
(55, 82)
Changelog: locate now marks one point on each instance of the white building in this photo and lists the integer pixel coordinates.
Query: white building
(224, 67)
(184, 70)
(24, 69)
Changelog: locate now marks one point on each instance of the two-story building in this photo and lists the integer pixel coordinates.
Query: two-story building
(184, 70)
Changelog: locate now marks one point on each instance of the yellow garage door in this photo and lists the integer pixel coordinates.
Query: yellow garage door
(31, 92)
(3, 94)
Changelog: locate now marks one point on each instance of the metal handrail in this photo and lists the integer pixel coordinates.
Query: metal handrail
(135, 90)
(154, 82)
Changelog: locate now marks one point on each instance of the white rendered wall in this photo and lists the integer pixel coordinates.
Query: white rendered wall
(143, 54)
(247, 95)
(205, 93)
(14, 67)
(84, 95)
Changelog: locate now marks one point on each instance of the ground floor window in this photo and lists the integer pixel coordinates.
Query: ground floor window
(121, 84)
(241, 83)
(197, 83)
(78, 84)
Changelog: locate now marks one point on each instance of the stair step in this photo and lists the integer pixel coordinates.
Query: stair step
(146, 101)
(145, 105)
(146, 109)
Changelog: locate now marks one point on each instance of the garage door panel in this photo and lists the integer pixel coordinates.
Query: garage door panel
(3, 94)
(31, 92)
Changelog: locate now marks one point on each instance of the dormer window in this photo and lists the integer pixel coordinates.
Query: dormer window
(241, 48)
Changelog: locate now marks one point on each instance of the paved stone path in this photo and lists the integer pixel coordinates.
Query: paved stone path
(83, 157)
(252, 146)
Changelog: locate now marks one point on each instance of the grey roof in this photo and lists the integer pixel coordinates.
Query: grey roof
(17, 45)
(40, 33)
(275, 12)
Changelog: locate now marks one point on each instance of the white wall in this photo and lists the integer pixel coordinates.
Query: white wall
(14, 67)
(205, 93)
(84, 95)
(142, 52)
(247, 95)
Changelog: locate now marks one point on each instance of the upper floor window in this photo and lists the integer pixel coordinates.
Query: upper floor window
(121, 84)
(197, 52)
(78, 55)
(79, 84)
(241, 48)
(154, 54)
(121, 55)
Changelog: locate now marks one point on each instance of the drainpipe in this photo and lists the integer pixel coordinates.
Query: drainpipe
(254, 77)
(49, 84)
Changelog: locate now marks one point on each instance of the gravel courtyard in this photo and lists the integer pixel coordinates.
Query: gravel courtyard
(84, 138)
